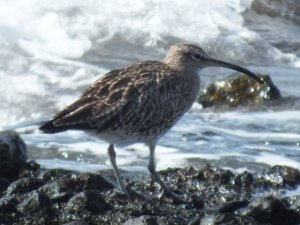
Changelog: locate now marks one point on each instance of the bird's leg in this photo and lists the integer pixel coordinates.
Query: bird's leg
(112, 157)
(151, 167)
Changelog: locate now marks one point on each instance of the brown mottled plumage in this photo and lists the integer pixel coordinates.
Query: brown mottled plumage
(140, 102)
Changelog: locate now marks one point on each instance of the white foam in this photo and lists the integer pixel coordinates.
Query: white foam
(67, 29)
(296, 63)
(287, 115)
(71, 165)
(271, 159)
(257, 136)
(275, 159)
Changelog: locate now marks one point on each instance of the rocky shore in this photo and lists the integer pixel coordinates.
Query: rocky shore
(31, 194)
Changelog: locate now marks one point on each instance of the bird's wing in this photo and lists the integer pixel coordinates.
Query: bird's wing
(104, 94)
(134, 99)
(102, 101)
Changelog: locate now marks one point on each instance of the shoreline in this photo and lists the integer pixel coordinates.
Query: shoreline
(31, 194)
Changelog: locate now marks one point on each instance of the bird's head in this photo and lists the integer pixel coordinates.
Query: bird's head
(192, 57)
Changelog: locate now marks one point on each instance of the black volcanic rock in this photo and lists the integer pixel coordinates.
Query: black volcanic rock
(13, 155)
(271, 210)
(217, 196)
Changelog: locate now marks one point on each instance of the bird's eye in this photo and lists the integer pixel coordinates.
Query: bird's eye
(196, 56)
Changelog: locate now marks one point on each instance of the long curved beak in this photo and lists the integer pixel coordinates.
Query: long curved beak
(219, 63)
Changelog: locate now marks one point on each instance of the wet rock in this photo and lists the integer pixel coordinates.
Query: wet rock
(142, 220)
(280, 176)
(56, 191)
(89, 181)
(77, 223)
(8, 210)
(295, 203)
(53, 174)
(270, 210)
(8, 204)
(218, 196)
(227, 177)
(34, 203)
(91, 201)
(24, 185)
(3, 184)
(36, 209)
(244, 179)
(13, 155)
(31, 169)
(233, 206)
(239, 90)
(228, 219)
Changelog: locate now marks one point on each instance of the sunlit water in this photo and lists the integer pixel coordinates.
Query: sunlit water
(50, 52)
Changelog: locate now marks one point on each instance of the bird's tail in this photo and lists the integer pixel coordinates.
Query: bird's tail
(50, 128)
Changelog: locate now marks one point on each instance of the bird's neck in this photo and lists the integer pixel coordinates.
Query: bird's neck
(189, 73)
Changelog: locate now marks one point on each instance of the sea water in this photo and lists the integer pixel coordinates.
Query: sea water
(52, 50)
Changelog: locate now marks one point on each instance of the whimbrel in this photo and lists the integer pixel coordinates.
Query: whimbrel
(140, 103)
